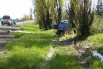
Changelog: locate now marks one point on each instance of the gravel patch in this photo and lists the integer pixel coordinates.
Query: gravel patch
(5, 36)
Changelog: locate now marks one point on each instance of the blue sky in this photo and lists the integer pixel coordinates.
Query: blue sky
(15, 8)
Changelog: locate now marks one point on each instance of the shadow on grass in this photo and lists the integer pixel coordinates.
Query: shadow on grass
(80, 38)
(70, 40)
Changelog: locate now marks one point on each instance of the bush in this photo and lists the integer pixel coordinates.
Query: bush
(97, 25)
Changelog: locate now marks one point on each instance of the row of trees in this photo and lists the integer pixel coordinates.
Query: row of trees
(28, 17)
(81, 16)
(47, 11)
(79, 12)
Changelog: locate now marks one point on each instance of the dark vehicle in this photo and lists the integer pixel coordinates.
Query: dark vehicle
(7, 20)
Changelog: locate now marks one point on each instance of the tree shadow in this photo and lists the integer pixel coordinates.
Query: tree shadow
(69, 41)
(80, 38)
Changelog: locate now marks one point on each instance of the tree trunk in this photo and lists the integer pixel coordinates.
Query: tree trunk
(47, 20)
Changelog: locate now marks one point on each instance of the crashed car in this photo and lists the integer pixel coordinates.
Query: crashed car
(7, 20)
(62, 27)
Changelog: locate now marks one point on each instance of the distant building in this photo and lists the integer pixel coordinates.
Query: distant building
(100, 7)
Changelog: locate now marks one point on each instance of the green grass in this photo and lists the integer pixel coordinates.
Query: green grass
(95, 63)
(64, 58)
(30, 27)
(97, 39)
(97, 25)
(29, 50)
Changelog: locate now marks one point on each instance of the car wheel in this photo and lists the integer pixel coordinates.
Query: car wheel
(14, 23)
(9, 24)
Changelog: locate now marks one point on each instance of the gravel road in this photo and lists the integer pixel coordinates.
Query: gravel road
(5, 36)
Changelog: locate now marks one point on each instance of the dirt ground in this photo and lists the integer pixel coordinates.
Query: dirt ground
(5, 35)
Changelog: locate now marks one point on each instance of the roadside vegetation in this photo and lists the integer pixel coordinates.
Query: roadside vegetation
(64, 58)
(28, 51)
(34, 40)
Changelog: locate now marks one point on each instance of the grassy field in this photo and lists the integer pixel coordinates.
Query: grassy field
(29, 49)
(64, 58)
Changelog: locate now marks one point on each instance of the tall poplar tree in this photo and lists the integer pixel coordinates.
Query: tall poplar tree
(81, 16)
(46, 11)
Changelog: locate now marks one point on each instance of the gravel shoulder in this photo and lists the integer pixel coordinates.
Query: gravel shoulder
(5, 36)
